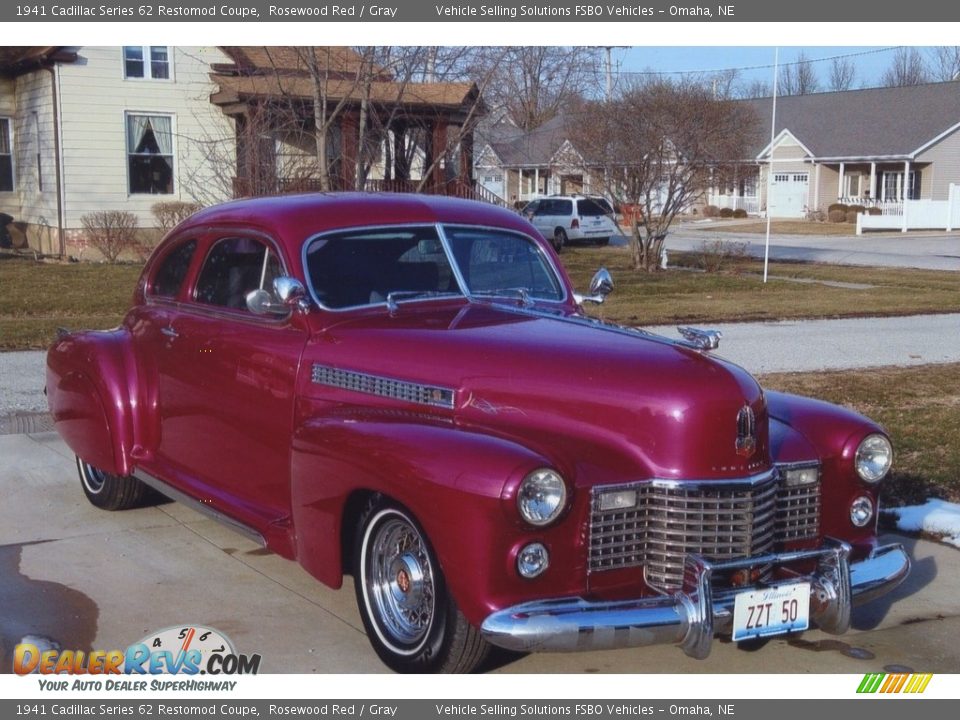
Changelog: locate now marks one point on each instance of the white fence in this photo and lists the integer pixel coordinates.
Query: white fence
(750, 204)
(916, 215)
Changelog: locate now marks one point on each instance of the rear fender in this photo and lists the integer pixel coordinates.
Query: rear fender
(90, 384)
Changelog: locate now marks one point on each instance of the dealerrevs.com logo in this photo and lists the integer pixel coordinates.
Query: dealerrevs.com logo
(183, 649)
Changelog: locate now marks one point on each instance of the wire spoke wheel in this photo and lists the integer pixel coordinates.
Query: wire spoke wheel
(400, 582)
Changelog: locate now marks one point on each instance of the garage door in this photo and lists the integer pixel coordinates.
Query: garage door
(788, 194)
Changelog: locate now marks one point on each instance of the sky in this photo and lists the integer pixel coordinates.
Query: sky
(757, 62)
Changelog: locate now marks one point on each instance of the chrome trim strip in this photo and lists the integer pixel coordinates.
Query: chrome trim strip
(203, 508)
(749, 482)
(419, 393)
(691, 617)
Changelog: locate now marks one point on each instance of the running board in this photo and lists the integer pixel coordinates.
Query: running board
(203, 508)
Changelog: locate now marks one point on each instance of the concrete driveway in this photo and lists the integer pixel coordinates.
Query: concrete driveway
(90, 579)
(928, 251)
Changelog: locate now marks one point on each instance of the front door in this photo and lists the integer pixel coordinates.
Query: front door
(226, 385)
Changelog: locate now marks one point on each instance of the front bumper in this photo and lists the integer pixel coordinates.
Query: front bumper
(692, 616)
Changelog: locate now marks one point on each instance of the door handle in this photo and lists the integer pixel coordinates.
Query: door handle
(170, 332)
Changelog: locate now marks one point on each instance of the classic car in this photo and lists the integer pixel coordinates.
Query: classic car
(406, 389)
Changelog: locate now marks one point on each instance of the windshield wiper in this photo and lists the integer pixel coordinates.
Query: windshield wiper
(394, 296)
(522, 294)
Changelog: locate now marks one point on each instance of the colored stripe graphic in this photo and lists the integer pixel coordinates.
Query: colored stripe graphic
(894, 683)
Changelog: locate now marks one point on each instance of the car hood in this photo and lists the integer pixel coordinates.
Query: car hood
(578, 392)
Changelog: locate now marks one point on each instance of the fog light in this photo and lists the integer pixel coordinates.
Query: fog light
(620, 500)
(533, 560)
(861, 511)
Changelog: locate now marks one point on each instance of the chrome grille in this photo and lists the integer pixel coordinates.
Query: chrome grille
(798, 512)
(383, 386)
(670, 520)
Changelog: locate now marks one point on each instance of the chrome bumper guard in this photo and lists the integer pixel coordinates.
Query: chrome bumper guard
(692, 616)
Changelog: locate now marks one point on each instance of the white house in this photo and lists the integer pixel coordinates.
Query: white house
(106, 128)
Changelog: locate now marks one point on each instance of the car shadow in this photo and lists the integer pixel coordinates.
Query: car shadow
(922, 573)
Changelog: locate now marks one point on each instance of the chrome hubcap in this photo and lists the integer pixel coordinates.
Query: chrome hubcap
(401, 581)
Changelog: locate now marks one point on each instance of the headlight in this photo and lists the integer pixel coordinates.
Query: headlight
(874, 458)
(533, 560)
(541, 497)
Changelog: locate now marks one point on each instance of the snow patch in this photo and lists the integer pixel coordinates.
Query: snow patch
(936, 517)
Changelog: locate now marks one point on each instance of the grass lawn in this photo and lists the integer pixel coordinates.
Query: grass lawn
(738, 293)
(920, 408)
(37, 298)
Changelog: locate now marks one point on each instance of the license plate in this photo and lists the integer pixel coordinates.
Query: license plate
(771, 611)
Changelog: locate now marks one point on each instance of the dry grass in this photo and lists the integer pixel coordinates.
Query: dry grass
(787, 227)
(37, 298)
(920, 408)
(737, 293)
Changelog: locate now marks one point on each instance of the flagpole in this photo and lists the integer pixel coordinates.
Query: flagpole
(773, 135)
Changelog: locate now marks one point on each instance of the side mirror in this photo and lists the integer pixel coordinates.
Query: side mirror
(261, 302)
(290, 291)
(600, 286)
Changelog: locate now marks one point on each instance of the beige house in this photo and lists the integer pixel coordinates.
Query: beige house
(872, 147)
(105, 128)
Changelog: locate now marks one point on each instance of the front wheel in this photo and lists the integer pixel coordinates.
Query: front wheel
(411, 620)
(108, 491)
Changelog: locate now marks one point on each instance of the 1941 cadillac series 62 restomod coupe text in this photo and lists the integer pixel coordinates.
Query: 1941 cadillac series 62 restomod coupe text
(405, 388)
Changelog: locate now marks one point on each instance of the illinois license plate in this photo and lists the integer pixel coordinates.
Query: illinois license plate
(771, 611)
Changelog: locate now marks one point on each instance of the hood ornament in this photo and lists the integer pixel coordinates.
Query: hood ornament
(699, 339)
(746, 432)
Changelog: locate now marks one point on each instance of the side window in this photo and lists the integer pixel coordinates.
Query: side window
(564, 207)
(234, 267)
(172, 271)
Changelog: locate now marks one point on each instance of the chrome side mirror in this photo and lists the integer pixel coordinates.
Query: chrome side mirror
(290, 292)
(600, 286)
(261, 302)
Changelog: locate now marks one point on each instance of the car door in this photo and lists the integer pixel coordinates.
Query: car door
(543, 217)
(226, 385)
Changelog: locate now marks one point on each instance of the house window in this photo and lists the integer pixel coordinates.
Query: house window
(150, 154)
(6, 156)
(851, 185)
(146, 61)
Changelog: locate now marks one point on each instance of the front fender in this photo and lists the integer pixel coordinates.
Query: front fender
(457, 483)
(90, 377)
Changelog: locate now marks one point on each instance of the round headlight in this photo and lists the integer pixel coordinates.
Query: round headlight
(861, 511)
(541, 497)
(874, 458)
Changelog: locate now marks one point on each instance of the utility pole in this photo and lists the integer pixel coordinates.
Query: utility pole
(609, 72)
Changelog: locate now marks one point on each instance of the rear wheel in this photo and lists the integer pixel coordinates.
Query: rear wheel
(108, 491)
(559, 239)
(411, 620)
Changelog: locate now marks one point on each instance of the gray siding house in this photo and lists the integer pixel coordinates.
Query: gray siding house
(871, 147)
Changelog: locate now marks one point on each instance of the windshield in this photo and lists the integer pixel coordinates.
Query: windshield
(369, 267)
(501, 263)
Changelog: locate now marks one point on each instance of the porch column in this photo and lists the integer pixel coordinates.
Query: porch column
(439, 143)
(536, 181)
(840, 182)
(349, 140)
(401, 168)
(816, 186)
(873, 181)
(466, 158)
(904, 192)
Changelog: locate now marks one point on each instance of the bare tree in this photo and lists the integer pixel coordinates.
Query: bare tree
(906, 68)
(842, 74)
(798, 77)
(659, 148)
(532, 84)
(946, 63)
(755, 89)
